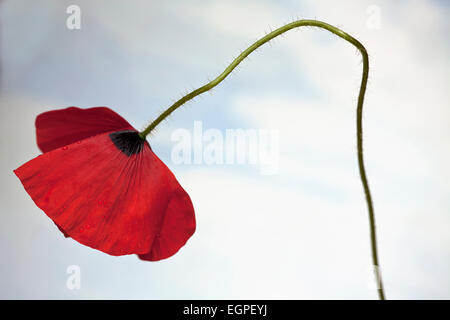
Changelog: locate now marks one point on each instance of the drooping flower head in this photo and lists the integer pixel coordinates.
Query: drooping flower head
(103, 186)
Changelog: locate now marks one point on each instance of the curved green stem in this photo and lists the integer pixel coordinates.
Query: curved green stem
(359, 129)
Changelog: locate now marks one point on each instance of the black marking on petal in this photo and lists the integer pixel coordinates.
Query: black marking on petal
(129, 142)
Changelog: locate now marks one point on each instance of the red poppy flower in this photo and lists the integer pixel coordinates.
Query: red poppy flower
(102, 185)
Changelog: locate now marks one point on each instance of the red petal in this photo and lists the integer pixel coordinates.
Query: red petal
(108, 200)
(63, 232)
(58, 128)
(174, 233)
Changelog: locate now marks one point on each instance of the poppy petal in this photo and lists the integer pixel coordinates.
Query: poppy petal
(58, 128)
(63, 232)
(114, 199)
(178, 226)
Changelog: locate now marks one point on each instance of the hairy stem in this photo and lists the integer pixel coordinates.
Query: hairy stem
(359, 129)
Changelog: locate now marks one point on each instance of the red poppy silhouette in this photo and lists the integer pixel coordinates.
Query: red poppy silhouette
(102, 185)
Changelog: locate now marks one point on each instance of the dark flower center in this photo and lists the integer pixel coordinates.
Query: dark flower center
(128, 141)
